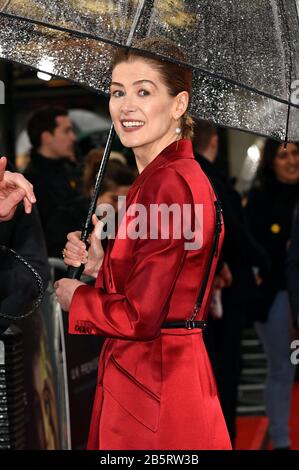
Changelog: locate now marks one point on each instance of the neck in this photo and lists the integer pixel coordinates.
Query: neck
(147, 153)
(286, 181)
(209, 155)
(47, 153)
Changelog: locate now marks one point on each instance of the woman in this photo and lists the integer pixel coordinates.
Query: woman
(270, 208)
(293, 269)
(155, 387)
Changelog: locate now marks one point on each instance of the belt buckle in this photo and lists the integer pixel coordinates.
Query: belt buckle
(189, 324)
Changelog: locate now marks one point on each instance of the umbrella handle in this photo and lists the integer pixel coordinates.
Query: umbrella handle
(75, 272)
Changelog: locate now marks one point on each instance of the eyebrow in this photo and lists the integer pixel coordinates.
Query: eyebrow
(135, 83)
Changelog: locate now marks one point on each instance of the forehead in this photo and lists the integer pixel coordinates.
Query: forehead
(63, 121)
(291, 147)
(132, 71)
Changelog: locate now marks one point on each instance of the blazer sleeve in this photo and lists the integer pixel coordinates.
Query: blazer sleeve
(139, 311)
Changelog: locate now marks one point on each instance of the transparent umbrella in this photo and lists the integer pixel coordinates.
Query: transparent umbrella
(244, 55)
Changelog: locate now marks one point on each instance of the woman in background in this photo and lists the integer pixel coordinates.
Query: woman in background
(270, 209)
(71, 216)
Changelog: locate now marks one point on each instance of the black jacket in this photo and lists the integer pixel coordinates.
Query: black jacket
(240, 250)
(293, 269)
(24, 235)
(270, 211)
(54, 185)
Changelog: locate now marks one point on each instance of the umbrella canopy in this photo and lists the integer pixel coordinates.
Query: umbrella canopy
(244, 55)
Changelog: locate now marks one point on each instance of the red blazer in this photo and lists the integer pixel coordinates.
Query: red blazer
(155, 386)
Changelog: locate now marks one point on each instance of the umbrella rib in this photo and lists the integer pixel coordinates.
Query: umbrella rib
(6, 4)
(114, 43)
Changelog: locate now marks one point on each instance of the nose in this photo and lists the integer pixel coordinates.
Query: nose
(292, 159)
(128, 104)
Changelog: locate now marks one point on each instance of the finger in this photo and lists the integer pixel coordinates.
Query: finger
(74, 259)
(72, 262)
(74, 238)
(27, 205)
(11, 201)
(74, 250)
(94, 220)
(19, 181)
(3, 162)
(74, 235)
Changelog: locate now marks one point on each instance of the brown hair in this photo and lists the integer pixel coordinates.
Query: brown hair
(116, 173)
(203, 133)
(43, 119)
(176, 77)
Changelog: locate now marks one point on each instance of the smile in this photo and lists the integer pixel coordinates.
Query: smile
(132, 124)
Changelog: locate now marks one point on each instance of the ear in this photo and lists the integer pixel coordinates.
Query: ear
(46, 137)
(215, 140)
(180, 104)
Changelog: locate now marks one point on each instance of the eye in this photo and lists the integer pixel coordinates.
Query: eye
(143, 92)
(117, 93)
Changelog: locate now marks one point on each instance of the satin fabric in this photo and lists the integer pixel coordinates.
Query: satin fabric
(155, 386)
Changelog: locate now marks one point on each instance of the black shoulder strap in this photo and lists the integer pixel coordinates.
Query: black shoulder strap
(213, 253)
(190, 323)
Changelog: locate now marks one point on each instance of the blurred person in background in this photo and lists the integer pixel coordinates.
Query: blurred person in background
(293, 269)
(71, 216)
(23, 233)
(234, 282)
(270, 209)
(52, 166)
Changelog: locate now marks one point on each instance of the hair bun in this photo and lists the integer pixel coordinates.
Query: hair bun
(187, 126)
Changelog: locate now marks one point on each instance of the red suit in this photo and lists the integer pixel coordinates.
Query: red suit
(155, 388)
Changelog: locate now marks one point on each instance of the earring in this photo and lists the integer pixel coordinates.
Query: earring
(178, 130)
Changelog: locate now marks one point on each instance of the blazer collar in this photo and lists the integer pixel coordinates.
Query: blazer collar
(178, 149)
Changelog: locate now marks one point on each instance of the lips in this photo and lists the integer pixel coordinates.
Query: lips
(132, 124)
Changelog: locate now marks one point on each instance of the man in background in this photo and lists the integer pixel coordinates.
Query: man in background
(52, 167)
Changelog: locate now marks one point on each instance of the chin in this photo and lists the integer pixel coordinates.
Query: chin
(132, 141)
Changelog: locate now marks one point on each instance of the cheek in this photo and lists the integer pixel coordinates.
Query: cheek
(62, 140)
(279, 166)
(160, 115)
(112, 110)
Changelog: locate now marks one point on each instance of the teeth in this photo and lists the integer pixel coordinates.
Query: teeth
(133, 123)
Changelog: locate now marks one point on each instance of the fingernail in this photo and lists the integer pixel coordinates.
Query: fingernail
(32, 199)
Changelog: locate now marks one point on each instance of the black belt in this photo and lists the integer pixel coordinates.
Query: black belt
(188, 324)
